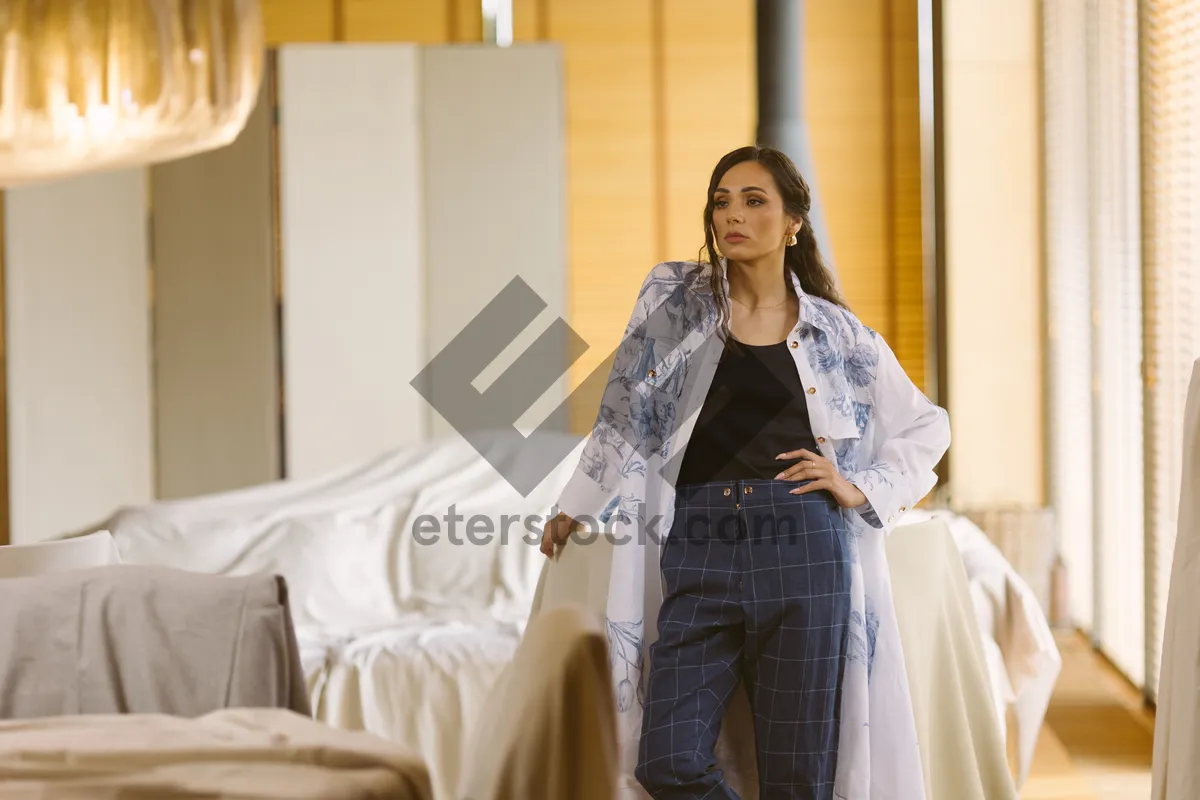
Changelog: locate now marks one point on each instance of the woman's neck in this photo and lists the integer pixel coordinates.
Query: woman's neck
(759, 282)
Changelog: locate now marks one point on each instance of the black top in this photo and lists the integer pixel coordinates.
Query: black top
(754, 410)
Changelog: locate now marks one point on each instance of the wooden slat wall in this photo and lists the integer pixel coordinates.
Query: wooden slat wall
(847, 103)
(709, 107)
(613, 186)
(656, 91)
(529, 20)
(862, 95)
(421, 21)
(907, 334)
(467, 21)
(298, 21)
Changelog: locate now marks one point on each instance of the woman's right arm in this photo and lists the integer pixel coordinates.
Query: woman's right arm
(612, 442)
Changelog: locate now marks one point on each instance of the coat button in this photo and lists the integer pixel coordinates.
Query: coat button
(795, 344)
(812, 390)
(650, 374)
(903, 509)
(820, 440)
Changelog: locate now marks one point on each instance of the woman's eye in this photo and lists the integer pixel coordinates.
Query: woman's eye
(720, 204)
(754, 201)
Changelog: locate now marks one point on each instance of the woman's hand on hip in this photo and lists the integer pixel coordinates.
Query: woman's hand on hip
(556, 532)
(820, 471)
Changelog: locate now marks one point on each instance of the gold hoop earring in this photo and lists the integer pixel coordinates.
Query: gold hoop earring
(792, 240)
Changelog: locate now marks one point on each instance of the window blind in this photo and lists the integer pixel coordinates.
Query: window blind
(1170, 131)
(1115, 236)
(1121, 80)
(1068, 296)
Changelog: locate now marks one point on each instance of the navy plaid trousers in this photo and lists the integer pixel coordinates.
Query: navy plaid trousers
(756, 587)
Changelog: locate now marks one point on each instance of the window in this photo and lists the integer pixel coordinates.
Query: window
(1170, 86)
(1094, 305)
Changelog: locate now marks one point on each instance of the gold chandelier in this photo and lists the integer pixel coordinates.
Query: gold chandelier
(100, 84)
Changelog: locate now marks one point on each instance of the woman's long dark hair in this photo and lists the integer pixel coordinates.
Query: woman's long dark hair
(803, 258)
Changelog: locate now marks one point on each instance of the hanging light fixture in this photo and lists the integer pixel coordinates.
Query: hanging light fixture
(100, 84)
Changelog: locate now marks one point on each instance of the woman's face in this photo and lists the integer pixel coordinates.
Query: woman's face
(748, 214)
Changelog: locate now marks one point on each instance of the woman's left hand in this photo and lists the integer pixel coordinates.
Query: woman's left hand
(820, 471)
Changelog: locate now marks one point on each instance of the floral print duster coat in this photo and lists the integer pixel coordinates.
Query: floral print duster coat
(870, 421)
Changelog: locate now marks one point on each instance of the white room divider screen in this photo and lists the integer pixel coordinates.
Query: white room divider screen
(216, 346)
(77, 344)
(380, 197)
(352, 235)
(506, 122)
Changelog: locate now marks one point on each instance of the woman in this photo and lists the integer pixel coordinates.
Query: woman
(809, 442)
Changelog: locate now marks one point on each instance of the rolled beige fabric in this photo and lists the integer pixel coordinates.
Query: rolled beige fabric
(548, 731)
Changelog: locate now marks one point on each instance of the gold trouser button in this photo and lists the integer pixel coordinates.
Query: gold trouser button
(749, 489)
(727, 491)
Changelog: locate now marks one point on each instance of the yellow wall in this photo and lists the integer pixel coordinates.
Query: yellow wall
(907, 330)
(423, 21)
(656, 92)
(298, 20)
(862, 99)
(614, 189)
(994, 251)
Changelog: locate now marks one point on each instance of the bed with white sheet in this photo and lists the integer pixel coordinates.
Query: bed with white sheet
(400, 635)
(404, 635)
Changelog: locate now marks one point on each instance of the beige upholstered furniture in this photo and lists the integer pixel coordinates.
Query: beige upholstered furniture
(405, 615)
(548, 730)
(247, 754)
(141, 639)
